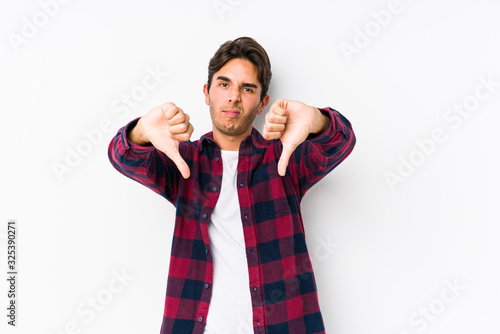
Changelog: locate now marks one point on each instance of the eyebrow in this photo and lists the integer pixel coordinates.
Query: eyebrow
(222, 78)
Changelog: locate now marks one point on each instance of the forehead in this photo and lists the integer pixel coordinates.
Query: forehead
(240, 71)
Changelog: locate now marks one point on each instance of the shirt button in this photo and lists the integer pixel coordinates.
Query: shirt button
(258, 323)
(214, 189)
(246, 216)
(204, 216)
(251, 251)
(241, 185)
(207, 285)
(200, 319)
(254, 288)
(217, 159)
(206, 250)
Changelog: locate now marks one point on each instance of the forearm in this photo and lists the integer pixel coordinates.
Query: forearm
(144, 164)
(321, 153)
(335, 143)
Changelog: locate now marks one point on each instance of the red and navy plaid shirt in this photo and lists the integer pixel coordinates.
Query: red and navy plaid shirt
(282, 285)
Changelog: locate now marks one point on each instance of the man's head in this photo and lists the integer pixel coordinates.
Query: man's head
(238, 80)
(242, 48)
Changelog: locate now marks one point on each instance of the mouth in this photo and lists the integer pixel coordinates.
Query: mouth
(231, 113)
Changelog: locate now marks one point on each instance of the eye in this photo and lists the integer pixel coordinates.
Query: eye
(224, 84)
(248, 90)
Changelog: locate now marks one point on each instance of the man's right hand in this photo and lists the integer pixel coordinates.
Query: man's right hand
(165, 127)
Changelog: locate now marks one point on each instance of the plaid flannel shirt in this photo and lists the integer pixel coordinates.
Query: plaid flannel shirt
(282, 285)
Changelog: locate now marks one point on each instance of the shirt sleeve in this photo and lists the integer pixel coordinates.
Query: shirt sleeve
(144, 164)
(318, 155)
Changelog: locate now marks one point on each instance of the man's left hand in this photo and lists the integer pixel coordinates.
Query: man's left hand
(292, 122)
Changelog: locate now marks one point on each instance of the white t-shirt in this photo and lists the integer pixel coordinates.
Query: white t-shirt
(230, 308)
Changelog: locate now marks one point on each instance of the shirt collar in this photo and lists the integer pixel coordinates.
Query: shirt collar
(254, 138)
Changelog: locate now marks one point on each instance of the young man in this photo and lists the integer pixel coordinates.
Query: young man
(239, 261)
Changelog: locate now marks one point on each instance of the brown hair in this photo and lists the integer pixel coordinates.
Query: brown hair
(242, 48)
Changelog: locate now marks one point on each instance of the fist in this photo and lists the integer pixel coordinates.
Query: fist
(165, 127)
(292, 122)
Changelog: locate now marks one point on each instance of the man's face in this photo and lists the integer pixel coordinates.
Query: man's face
(234, 98)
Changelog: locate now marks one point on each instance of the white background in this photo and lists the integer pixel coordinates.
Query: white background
(382, 255)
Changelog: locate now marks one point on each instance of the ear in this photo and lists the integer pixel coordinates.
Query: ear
(263, 104)
(205, 91)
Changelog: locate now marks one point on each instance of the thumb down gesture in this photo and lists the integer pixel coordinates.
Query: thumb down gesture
(292, 122)
(165, 127)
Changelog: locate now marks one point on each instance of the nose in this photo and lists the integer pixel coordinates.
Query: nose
(234, 95)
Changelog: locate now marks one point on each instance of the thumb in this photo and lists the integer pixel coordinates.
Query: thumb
(285, 158)
(171, 149)
(182, 166)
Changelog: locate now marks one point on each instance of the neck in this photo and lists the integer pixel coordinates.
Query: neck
(230, 143)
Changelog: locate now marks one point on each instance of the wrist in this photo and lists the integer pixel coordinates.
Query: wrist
(320, 122)
(137, 136)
